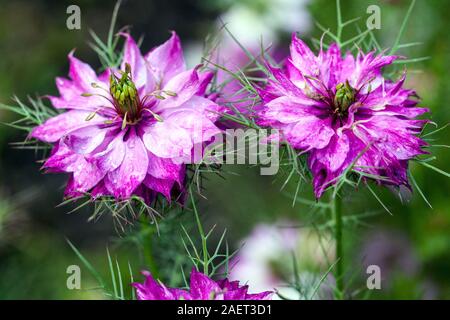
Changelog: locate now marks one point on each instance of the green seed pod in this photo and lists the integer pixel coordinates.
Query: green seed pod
(344, 97)
(125, 96)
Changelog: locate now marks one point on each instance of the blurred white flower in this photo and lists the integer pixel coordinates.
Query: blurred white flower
(248, 21)
(266, 259)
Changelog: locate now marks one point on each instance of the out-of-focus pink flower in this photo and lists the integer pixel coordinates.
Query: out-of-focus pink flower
(268, 21)
(130, 131)
(201, 288)
(392, 251)
(265, 259)
(340, 110)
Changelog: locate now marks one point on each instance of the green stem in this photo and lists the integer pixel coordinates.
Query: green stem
(202, 235)
(339, 21)
(147, 246)
(336, 210)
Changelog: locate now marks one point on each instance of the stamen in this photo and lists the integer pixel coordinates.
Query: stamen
(170, 93)
(97, 86)
(156, 116)
(87, 94)
(124, 121)
(92, 114)
(111, 121)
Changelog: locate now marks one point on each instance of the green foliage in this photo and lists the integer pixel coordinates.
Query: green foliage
(114, 289)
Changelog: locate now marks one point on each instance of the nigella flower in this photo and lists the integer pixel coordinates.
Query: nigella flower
(341, 111)
(129, 131)
(201, 288)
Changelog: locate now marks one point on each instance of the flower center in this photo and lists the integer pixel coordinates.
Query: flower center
(345, 96)
(125, 96)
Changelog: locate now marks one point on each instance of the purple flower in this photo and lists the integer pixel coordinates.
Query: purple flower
(201, 288)
(130, 131)
(392, 251)
(341, 111)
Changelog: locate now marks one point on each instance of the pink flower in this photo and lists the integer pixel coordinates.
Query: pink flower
(340, 110)
(130, 131)
(201, 288)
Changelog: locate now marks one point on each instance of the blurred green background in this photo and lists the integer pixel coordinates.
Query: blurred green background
(413, 243)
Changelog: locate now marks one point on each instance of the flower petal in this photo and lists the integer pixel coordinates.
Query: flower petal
(81, 73)
(163, 186)
(133, 169)
(334, 154)
(86, 139)
(288, 109)
(309, 133)
(164, 168)
(167, 60)
(85, 173)
(167, 140)
(55, 128)
(303, 58)
(71, 91)
(202, 287)
(185, 85)
(112, 157)
(152, 290)
(368, 69)
(140, 72)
